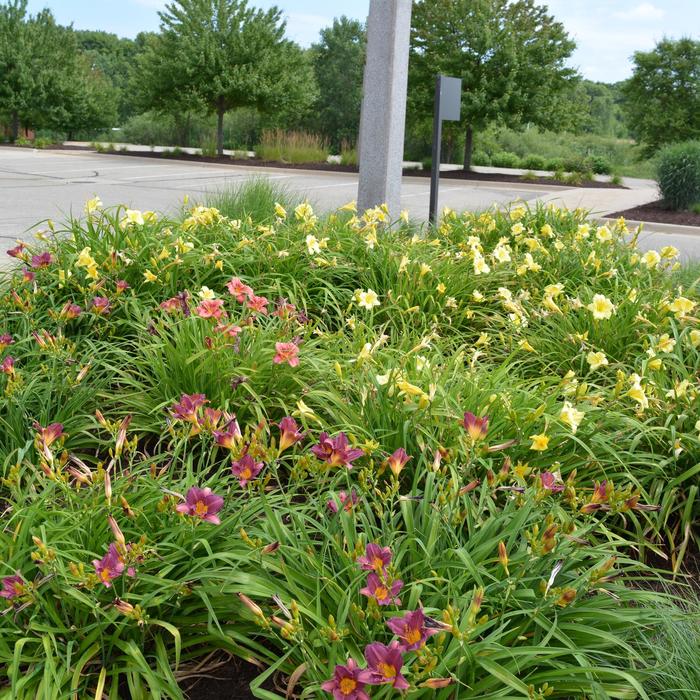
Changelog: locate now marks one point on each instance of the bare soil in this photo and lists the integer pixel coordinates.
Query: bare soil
(658, 213)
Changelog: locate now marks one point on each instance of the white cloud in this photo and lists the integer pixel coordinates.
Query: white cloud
(643, 11)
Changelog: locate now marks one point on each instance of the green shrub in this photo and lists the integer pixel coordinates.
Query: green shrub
(481, 158)
(599, 165)
(555, 165)
(292, 147)
(427, 163)
(505, 159)
(533, 162)
(528, 176)
(678, 174)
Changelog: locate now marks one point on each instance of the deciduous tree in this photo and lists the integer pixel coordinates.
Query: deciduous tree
(510, 55)
(662, 98)
(224, 54)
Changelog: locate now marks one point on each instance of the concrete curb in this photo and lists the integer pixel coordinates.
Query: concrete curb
(654, 227)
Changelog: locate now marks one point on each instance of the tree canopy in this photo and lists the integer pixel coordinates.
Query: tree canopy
(511, 57)
(224, 54)
(662, 98)
(339, 60)
(45, 81)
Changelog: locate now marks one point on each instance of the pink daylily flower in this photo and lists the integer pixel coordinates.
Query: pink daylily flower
(348, 682)
(42, 260)
(376, 558)
(346, 501)
(203, 504)
(289, 433)
(412, 629)
(476, 427)
(211, 308)
(230, 436)
(246, 469)
(286, 352)
(385, 663)
(110, 567)
(5, 341)
(335, 451)
(239, 290)
(12, 587)
(382, 592)
(187, 408)
(101, 305)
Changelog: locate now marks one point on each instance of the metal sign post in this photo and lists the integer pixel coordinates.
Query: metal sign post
(448, 101)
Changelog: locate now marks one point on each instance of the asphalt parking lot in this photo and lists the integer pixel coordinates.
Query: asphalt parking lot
(36, 185)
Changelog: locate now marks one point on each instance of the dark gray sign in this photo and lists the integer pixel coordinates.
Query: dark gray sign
(448, 100)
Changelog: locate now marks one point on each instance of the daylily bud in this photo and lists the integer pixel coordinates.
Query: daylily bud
(271, 548)
(118, 535)
(123, 607)
(121, 436)
(126, 507)
(253, 607)
(108, 487)
(436, 683)
(469, 487)
(503, 556)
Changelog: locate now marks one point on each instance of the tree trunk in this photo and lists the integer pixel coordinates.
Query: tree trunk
(14, 127)
(468, 147)
(220, 127)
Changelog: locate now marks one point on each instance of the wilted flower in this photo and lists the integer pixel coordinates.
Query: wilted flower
(347, 501)
(475, 427)
(385, 662)
(381, 591)
(286, 352)
(335, 451)
(202, 503)
(45, 437)
(121, 286)
(397, 461)
(348, 682)
(548, 482)
(246, 469)
(412, 629)
(111, 566)
(7, 366)
(70, 311)
(101, 305)
(376, 558)
(289, 433)
(12, 587)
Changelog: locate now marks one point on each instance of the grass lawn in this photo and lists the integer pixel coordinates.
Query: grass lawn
(460, 462)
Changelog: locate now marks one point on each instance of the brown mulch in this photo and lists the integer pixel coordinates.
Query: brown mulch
(657, 213)
(500, 177)
(339, 168)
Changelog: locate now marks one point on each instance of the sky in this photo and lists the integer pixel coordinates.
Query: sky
(607, 32)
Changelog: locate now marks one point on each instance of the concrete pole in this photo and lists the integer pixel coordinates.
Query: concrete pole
(383, 118)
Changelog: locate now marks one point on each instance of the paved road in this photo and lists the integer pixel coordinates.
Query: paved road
(36, 185)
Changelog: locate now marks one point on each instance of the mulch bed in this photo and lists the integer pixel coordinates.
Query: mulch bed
(228, 681)
(339, 168)
(657, 213)
(500, 177)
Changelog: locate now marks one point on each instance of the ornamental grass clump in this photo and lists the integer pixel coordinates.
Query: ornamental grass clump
(370, 457)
